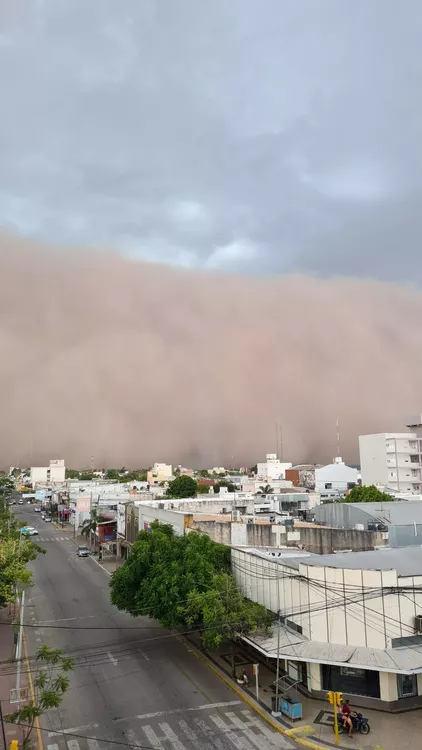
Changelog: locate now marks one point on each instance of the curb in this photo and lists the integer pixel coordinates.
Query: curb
(31, 688)
(252, 704)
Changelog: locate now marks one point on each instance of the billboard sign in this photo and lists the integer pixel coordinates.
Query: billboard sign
(83, 504)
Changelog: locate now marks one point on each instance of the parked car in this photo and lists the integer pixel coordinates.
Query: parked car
(28, 531)
(20, 501)
(48, 519)
(37, 509)
(43, 516)
(12, 502)
(83, 552)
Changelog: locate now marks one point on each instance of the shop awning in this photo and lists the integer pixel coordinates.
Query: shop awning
(296, 647)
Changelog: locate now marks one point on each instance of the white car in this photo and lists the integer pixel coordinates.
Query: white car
(37, 510)
(29, 531)
(20, 502)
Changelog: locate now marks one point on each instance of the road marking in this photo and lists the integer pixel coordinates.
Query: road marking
(112, 658)
(209, 733)
(193, 737)
(52, 747)
(133, 740)
(254, 739)
(269, 734)
(171, 736)
(146, 657)
(181, 710)
(67, 619)
(152, 737)
(240, 742)
(73, 744)
(93, 744)
(73, 730)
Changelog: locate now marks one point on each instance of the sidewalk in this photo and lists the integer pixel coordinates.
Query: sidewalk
(388, 731)
(8, 673)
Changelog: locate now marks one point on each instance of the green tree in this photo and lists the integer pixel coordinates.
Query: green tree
(7, 487)
(14, 557)
(86, 476)
(50, 684)
(90, 524)
(370, 494)
(203, 473)
(72, 474)
(112, 474)
(266, 489)
(202, 489)
(162, 570)
(182, 487)
(223, 614)
(224, 483)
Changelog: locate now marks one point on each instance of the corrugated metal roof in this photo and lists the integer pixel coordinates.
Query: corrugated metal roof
(407, 561)
(296, 647)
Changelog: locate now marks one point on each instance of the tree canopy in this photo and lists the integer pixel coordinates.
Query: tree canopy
(184, 582)
(183, 486)
(370, 494)
(224, 483)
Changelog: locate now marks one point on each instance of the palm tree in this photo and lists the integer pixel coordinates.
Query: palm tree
(266, 490)
(90, 524)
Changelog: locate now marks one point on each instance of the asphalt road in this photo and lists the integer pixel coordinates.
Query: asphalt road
(134, 684)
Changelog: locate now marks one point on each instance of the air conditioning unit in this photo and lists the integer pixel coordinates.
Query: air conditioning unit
(236, 516)
(418, 624)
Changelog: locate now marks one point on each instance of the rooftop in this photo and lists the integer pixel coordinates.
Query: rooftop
(297, 647)
(407, 561)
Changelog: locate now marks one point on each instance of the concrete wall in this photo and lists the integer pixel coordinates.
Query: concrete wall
(321, 597)
(315, 539)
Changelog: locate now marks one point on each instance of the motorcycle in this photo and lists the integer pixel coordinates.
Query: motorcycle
(360, 724)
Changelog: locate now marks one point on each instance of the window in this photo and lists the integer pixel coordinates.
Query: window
(351, 681)
(350, 485)
(328, 485)
(407, 685)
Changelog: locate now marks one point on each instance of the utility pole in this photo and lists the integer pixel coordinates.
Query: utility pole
(277, 689)
(19, 649)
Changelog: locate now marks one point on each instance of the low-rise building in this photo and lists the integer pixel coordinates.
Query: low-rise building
(348, 622)
(271, 468)
(54, 473)
(392, 460)
(337, 477)
(160, 473)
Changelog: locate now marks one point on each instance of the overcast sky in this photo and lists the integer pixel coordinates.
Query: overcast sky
(244, 135)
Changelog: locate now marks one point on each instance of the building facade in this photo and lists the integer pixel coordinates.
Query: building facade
(272, 468)
(160, 473)
(55, 473)
(391, 460)
(348, 622)
(337, 477)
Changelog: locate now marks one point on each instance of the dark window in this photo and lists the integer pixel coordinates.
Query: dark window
(292, 625)
(328, 486)
(407, 685)
(350, 485)
(351, 681)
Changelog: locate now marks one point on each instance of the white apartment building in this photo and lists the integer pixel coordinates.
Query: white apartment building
(272, 468)
(391, 460)
(160, 473)
(337, 477)
(55, 473)
(349, 622)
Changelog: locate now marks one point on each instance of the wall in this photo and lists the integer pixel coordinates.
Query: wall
(373, 459)
(326, 601)
(292, 475)
(315, 539)
(338, 475)
(140, 517)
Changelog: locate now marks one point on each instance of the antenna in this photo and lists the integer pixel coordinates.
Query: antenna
(281, 441)
(338, 438)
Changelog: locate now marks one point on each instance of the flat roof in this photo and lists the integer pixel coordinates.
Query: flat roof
(407, 561)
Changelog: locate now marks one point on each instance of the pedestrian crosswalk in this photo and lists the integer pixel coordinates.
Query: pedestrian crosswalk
(53, 539)
(239, 729)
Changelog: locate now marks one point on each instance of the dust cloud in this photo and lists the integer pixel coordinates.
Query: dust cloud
(126, 363)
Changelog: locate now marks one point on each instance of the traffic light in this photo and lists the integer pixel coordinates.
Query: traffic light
(330, 696)
(14, 745)
(340, 699)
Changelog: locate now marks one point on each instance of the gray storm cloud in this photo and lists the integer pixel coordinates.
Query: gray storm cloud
(131, 362)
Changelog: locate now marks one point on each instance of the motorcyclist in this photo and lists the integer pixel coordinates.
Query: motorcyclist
(347, 716)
